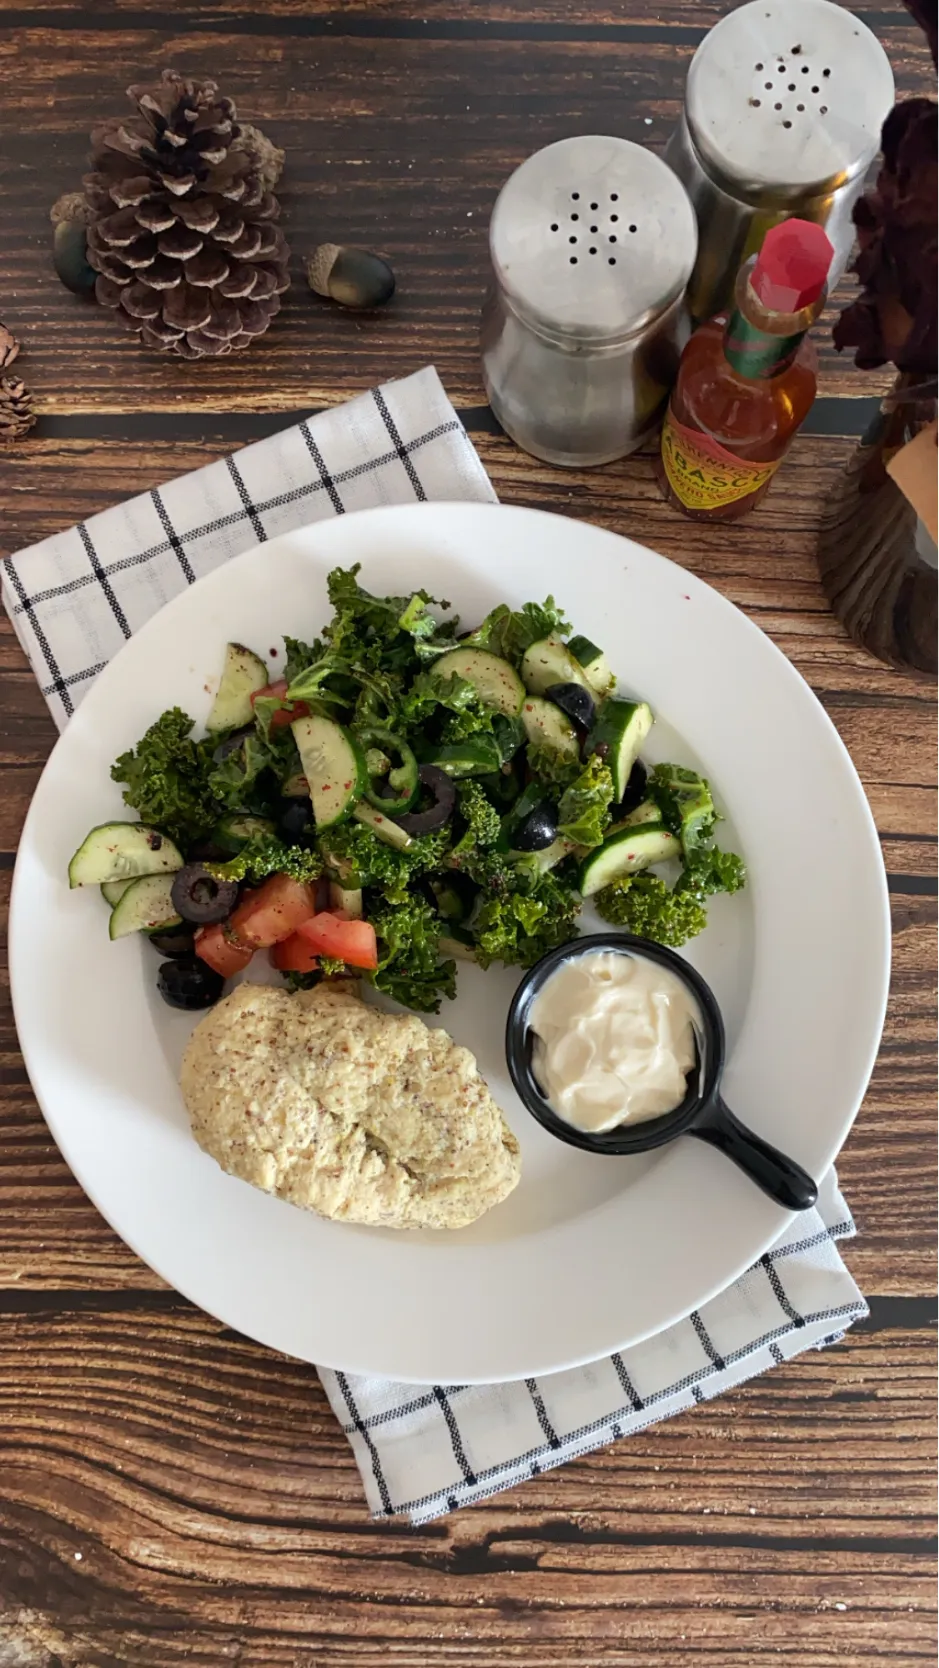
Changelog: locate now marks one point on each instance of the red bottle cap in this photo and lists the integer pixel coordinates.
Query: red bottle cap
(792, 266)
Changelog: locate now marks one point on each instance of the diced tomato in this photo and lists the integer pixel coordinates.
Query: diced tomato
(295, 955)
(213, 947)
(273, 912)
(350, 941)
(277, 692)
(271, 691)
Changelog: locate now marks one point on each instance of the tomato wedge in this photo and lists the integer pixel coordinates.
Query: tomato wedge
(295, 955)
(277, 692)
(273, 912)
(212, 947)
(353, 942)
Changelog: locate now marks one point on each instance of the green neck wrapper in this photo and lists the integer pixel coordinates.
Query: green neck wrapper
(754, 353)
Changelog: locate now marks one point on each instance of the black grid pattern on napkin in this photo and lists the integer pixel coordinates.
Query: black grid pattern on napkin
(633, 1412)
(242, 522)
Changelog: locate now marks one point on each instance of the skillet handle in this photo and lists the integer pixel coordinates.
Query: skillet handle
(779, 1176)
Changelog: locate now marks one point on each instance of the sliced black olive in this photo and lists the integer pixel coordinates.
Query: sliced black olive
(231, 743)
(573, 699)
(295, 819)
(189, 983)
(437, 783)
(635, 788)
(197, 896)
(176, 941)
(537, 830)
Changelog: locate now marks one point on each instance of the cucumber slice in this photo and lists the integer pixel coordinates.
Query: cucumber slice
(595, 664)
(626, 853)
(122, 851)
(550, 661)
(648, 811)
(232, 834)
(539, 862)
(296, 787)
(382, 827)
(113, 890)
(147, 906)
(496, 683)
(619, 730)
(548, 726)
(347, 898)
(243, 674)
(333, 766)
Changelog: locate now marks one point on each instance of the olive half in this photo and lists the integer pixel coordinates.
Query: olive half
(175, 941)
(197, 895)
(573, 699)
(538, 830)
(189, 983)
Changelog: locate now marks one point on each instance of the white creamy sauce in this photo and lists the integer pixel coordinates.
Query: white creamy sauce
(614, 1039)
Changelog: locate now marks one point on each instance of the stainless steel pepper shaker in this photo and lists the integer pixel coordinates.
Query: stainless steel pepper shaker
(592, 242)
(784, 105)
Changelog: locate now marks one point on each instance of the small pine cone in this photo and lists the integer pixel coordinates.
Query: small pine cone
(16, 410)
(9, 346)
(182, 232)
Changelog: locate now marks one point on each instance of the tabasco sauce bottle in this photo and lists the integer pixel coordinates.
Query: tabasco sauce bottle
(746, 382)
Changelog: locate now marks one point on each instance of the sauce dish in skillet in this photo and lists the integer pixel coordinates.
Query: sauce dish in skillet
(624, 1058)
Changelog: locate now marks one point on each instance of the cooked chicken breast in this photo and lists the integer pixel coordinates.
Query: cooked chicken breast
(342, 1109)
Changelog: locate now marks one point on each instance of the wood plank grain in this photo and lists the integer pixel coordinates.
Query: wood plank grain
(417, 182)
(163, 1477)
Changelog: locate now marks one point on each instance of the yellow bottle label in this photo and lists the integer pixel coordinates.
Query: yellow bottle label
(702, 474)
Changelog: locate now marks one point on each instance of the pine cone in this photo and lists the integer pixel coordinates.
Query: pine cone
(182, 231)
(16, 410)
(9, 346)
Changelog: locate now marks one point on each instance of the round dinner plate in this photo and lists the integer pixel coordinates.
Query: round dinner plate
(589, 1254)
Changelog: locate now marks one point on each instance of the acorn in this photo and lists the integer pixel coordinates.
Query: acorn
(69, 216)
(353, 277)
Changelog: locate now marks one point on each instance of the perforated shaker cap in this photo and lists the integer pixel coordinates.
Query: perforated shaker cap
(592, 238)
(786, 99)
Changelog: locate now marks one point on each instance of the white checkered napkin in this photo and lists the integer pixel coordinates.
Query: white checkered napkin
(74, 599)
(424, 1452)
(77, 596)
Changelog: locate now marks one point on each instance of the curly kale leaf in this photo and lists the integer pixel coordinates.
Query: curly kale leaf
(685, 805)
(235, 781)
(376, 631)
(519, 927)
(166, 778)
(557, 770)
(644, 905)
(269, 856)
(409, 967)
(299, 656)
(483, 822)
(584, 811)
(453, 695)
(354, 854)
(509, 632)
(711, 871)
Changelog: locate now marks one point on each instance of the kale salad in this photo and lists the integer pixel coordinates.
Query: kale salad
(404, 796)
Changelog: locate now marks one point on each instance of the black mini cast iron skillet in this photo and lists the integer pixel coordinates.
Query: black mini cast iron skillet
(701, 1113)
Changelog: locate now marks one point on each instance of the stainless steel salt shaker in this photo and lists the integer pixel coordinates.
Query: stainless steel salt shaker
(592, 242)
(783, 110)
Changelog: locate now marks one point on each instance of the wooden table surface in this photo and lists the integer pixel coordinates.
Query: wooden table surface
(169, 1491)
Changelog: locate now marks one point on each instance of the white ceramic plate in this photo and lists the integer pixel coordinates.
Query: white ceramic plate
(589, 1254)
